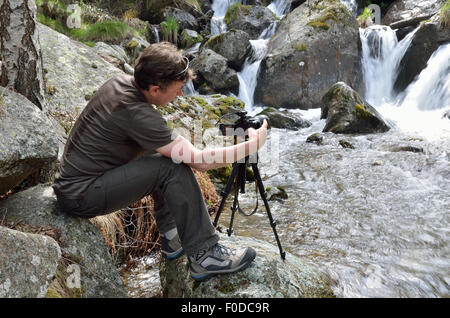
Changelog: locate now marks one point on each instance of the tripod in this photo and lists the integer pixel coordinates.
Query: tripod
(237, 177)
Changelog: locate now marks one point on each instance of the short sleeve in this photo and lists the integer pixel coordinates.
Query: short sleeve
(148, 128)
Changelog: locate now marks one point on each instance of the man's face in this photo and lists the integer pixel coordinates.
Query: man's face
(164, 96)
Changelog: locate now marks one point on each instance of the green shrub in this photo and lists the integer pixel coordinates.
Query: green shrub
(169, 30)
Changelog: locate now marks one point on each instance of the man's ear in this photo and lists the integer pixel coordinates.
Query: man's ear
(153, 90)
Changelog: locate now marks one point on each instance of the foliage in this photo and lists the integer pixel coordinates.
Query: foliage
(169, 30)
(444, 15)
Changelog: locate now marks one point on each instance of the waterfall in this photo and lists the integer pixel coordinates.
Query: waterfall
(382, 54)
(220, 8)
(419, 108)
(248, 76)
(156, 33)
(280, 7)
(352, 6)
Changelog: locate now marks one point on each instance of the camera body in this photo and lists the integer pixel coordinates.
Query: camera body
(244, 122)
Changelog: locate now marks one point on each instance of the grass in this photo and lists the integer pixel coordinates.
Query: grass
(444, 14)
(169, 30)
(111, 31)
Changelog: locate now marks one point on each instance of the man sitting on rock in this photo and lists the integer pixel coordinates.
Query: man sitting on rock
(100, 172)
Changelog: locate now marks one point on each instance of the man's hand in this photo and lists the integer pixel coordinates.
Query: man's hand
(260, 134)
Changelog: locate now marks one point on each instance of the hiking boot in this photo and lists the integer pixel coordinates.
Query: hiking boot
(171, 249)
(219, 260)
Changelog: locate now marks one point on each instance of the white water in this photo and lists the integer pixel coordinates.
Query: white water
(351, 5)
(220, 8)
(419, 109)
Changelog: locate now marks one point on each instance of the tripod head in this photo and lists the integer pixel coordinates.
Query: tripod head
(244, 122)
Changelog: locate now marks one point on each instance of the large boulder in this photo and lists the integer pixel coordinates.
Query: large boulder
(28, 263)
(407, 10)
(284, 119)
(184, 19)
(251, 19)
(82, 244)
(267, 277)
(425, 42)
(28, 139)
(214, 69)
(234, 45)
(347, 113)
(313, 47)
(73, 72)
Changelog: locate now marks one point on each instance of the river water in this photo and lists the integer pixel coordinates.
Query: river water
(374, 219)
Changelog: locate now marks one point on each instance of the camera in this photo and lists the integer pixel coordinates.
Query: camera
(244, 122)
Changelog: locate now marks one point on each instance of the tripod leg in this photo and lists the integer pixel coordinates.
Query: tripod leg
(262, 192)
(226, 192)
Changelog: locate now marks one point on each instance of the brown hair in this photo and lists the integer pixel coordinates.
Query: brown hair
(160, 64)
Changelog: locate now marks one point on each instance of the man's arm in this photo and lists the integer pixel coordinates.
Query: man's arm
(182, 150)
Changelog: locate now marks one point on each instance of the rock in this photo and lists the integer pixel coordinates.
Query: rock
(214, 69)
(410, 9)
(234, 45)
(446, 115)
(134, 48)
(251, 19)
(347, 113)
(68, 68)
(268, 276)
(284, 119)
(27, 263)
(315, 138)
(81, 242)
(113, 54)
(346, 144)
(313, 47)
(189, 38)
(277, 193)
(28, 139)
(184, 19)
(425, 42)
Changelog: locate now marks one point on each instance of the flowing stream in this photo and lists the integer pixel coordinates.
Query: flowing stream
(374, 219)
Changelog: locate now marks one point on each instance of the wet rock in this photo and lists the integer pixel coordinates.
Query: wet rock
(346, 144)
(81, 242)
(315, 138)
(234, 45)
(184, 19)
(28, 263)
(267, 276)
(425, 42)
(214, 69)
(28, 139)
(297, 69)
(403, 10)
(251, 19)
(277, 193)
(347, 113)
(284, 119)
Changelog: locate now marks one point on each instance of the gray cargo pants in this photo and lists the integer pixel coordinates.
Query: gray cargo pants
(177, 195)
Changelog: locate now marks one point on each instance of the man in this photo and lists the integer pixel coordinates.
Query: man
(99, 172)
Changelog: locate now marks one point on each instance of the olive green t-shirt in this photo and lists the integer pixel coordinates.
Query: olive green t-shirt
(116, 125)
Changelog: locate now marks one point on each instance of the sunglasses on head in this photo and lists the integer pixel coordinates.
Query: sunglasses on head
(183, 71)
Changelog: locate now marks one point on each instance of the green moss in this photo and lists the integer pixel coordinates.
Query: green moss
(200, 101)
(300, 47)
(229, 102)
(444, 15)
(226, 287)
(361, 111)
(51, 293)
(234, 10)
(318, 25)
